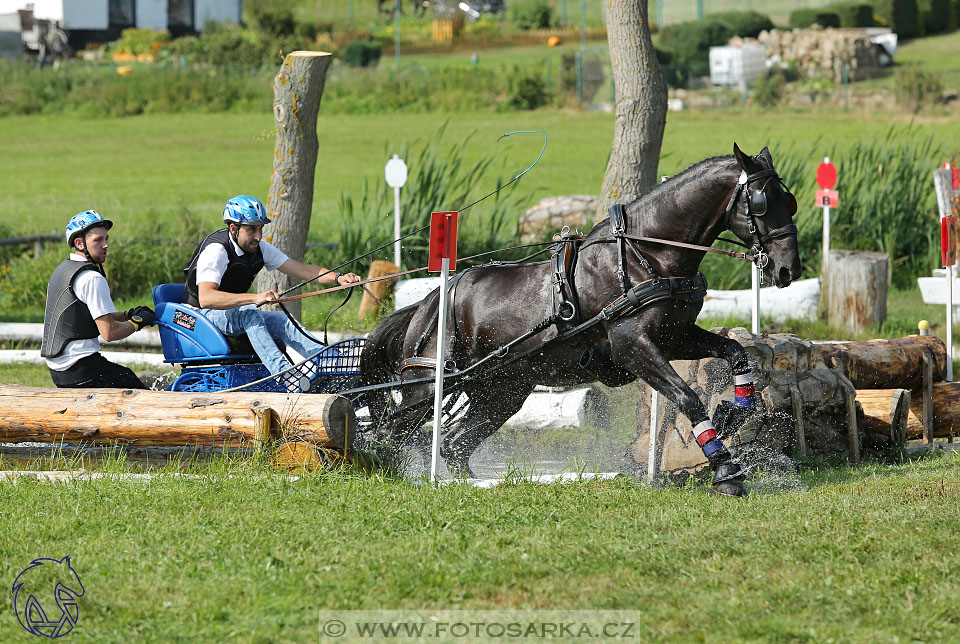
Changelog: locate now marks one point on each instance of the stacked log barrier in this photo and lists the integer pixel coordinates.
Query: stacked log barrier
(149, 418)
(808, 405)
(883, 371)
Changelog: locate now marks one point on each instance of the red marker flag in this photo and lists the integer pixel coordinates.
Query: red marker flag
(443, 240)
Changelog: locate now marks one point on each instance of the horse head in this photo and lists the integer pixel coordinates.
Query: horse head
(760, 212)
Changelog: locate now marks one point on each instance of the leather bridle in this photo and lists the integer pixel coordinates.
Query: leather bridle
(755, 205)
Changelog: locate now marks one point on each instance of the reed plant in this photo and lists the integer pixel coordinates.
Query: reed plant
(439, 180)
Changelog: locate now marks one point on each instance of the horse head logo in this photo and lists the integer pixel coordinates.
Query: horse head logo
(45, 597)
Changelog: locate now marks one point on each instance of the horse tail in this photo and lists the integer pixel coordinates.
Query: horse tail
(383, 350)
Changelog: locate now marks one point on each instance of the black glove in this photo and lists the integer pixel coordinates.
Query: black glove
(141, 316)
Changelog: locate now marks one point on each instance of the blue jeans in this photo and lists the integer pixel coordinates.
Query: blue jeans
(262, 327)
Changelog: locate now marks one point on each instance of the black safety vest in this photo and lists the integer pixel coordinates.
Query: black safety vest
(66, 317)
(240, 273)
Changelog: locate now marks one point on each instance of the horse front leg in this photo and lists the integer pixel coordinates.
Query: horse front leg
(637, 352)
(700, 343)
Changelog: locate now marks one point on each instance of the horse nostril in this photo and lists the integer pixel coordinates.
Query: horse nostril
(784, 275)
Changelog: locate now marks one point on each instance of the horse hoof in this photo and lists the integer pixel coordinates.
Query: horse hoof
(730, 488)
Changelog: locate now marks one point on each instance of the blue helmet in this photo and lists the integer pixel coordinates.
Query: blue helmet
(81, 222)
(246, 210)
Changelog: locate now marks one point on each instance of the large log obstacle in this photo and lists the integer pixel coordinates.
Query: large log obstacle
(148, 418)
(886, 364)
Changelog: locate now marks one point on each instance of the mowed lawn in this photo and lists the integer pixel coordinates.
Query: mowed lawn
(145, 171)
(865, 554)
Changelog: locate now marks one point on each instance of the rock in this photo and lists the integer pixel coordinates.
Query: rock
(551, 214)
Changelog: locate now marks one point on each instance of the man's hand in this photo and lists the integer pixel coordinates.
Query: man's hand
(347, 278)
(141, 316)
(267, 297)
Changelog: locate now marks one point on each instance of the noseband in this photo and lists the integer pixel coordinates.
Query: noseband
(755, 205)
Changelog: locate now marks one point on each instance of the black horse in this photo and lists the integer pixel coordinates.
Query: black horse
(618, 309)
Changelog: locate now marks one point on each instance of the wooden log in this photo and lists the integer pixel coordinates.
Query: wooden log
(141, 417)
(946, 410)
(857, 289)
(885, 414)
(382, 289)
(887, 364)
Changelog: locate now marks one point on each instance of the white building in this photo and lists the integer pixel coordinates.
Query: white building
(109, 17)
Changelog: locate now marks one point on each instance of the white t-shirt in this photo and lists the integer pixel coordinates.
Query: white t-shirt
(212, 263)
(90, 288)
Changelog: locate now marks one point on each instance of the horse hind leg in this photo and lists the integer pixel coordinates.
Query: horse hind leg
(639, 354)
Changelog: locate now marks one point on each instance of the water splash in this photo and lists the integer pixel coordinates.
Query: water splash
(769, 471)
(163, 381)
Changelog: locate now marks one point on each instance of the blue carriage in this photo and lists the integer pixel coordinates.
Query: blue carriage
(211, 361)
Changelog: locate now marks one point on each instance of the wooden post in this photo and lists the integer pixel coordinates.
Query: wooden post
(801, 434)
(928, 398)
(853, 436)
(857, 290)
(381, 289)
(297, 90)
(262, 428)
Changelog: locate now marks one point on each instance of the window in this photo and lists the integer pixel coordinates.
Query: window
(122, 13)
(180, 14)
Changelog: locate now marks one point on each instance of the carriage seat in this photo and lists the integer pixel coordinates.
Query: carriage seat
(188, 336)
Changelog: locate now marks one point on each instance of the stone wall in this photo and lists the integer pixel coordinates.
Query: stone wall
(822, 52)
(790, 374)
(551, 214)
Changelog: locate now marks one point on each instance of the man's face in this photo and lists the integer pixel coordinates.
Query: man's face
(95, 241)
(248, 237)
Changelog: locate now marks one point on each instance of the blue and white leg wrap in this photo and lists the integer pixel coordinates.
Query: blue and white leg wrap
(744, 391)
(706, 437)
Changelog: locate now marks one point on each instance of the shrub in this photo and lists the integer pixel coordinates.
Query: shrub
(690, 42)
(769, 91)
(140, 41)
(916, 89)
(902, 16)
(853, 14)
(359, 53)
(531, 15)
(528, 90)
(938, 17)
(803, 18)
(746, 24)
(273, 18)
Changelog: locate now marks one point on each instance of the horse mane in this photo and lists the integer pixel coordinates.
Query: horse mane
(656, 193)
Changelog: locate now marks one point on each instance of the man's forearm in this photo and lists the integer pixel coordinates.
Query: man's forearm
(217, 299)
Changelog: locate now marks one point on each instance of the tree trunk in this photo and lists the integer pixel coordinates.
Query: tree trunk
(883, 364)
(857, 289)
(143, 417)
(641, 106)
(297, 90)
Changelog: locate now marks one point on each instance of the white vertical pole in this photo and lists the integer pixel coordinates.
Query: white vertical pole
(950, 323)
(943, 185)
(396, 225)
(654, 429)
(826, 234)
(438, 380)
(755, 286)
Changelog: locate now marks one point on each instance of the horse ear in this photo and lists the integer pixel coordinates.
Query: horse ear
(765, 155)
(742, 158)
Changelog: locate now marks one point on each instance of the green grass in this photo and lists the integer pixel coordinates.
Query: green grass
(865, 555)
(55, 166)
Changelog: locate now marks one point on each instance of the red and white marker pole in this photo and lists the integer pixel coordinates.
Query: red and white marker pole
(443, 258)
(943, 183)
(826, 197)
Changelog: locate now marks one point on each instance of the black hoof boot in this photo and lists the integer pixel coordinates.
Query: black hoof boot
(728, 478)
(728, 418)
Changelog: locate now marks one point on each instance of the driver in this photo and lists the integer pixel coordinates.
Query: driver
(222, 270)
